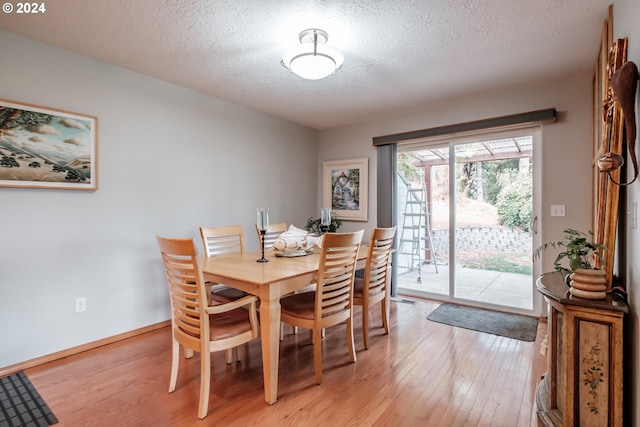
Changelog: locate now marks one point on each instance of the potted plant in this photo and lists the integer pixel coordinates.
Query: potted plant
(584, 259)
(314, 225)
(578, 250)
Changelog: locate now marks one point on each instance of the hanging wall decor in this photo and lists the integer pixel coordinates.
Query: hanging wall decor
(42, 147)
(624, 83)
(609, 137)
(345, 188)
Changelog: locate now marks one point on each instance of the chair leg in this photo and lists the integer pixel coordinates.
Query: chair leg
(188, 353)
(229, 356)
(317, 354)
(294, 329)
(365, 326)
(205, 384)
(352, 345)
(385, 316)
(241, 352)
(175, 361)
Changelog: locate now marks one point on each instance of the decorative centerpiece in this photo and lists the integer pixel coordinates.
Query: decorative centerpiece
(584, 276)
(295, 242)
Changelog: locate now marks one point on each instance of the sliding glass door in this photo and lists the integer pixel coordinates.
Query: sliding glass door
(465, 213)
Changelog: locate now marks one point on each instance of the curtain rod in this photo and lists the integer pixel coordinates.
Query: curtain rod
(548, 114)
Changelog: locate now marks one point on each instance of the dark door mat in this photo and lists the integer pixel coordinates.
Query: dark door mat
(514, 326)
(21, 405)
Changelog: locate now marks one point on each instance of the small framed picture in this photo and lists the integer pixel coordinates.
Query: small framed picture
(345, 188)
(47, 148)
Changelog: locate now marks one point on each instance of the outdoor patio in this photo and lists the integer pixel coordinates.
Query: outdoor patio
(493, 287)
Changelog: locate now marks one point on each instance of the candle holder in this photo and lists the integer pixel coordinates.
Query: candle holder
(262, 222)
(325, 219)
(262, 234)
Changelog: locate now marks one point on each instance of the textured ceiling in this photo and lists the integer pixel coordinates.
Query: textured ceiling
(399, 55)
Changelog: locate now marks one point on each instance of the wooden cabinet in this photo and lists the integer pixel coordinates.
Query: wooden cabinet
(583, 384)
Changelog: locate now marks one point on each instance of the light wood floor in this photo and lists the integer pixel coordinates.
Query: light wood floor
(423, 374)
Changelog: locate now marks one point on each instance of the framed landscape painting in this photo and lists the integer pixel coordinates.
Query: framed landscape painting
(345, 188)
(47, 148)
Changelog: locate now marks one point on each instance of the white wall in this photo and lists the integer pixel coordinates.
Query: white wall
(626, 23)
(170, 160)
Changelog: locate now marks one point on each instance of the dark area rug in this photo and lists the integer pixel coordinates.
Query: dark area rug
(515, 326)
(21, 405)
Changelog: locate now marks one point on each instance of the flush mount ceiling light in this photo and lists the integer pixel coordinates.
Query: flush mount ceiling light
(313, 59)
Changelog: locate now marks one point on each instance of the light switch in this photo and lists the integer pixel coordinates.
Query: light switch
(557, 210)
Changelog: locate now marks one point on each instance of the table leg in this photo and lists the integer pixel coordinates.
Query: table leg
(270, 330)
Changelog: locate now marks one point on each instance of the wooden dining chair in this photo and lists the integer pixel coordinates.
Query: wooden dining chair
(332, 301)
(374, 286)
(273, 232)
(196, 325)
(219, 241)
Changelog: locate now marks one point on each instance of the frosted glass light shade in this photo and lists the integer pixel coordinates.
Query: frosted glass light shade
(313, 67)
(313, 59)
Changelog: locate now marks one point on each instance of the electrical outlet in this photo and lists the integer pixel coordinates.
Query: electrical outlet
(557, 210)
(81, 304)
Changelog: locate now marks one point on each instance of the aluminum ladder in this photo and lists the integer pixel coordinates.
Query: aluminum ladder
(416, 234)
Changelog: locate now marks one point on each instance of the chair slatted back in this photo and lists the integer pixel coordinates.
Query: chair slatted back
(192, 317)
(185, 281)
(336, 272)
(222, 240)
(273, 232)
(380, 245)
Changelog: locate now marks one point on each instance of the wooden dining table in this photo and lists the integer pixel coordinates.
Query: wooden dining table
(269, 281)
